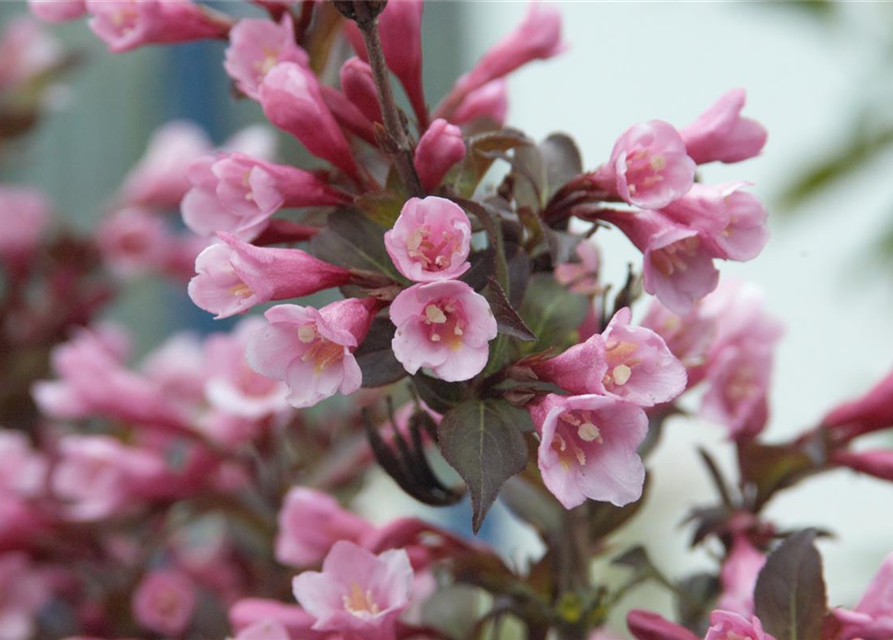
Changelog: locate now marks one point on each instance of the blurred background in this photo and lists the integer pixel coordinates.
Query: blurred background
(819, 76)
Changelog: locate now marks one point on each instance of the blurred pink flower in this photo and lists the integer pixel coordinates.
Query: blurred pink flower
(23, 591)
(721, 134)
(725, 625)
(57, 10)
(872, 619)
(164, 602)
(739, 576)
(24, 217)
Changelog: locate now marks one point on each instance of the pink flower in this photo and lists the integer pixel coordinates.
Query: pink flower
(179, 370)
(291, 99)
(23, 591)
(24, 217)
(57, 10)
(581, 277)
(256, 46)
(430, 240)
(27, 50)
(164, 601)
(489, 102)
(299, 545)
(720, 133)
(439, 148)
(233, 276)
(264, 630)
(688, 337)
(133, 241)
(648, 167)
(588, 448)
(98, 476)
(357, 593)
(444, 326)
(312, 351)
(725, 625)
(579, 370)
(735, 220)
(238, 194)
(678, 261)
(22, 470)
(538, 37)
(358, 85)
(251, 611)
(739, 576)
(127, 24)
(871, 412)
(877, 463)
(645, 625)
(872, 619)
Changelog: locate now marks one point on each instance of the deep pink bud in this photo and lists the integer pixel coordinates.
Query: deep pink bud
(237, 194)
(739, 576)
(233, 276)
(57, 10)
(430, 240)
(128, 24)
(164, 602)
(645, 625)
(358, 85)
(871, 412)
(579, 370)
(648, 167)
(348, 116)
(877, 463)
(357, 593)
(292, 100)
(438, 150)
(312, 350)
(588, 448)
(444, 326)
(720, 133)
(489, 102)
(256, 46)
(299, 545)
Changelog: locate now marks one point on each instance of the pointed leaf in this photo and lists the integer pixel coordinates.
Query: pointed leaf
(352, 240)
(507, 319)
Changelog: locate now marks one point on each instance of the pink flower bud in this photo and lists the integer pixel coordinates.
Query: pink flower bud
(348, 116)
(588, 448)
(872, 619)
(164, 601)
(430, 240)
(648, 167)
(357, 593)
(24, 217)
(725, 625)
(233, 276)
(57, 10)
(299, 545)
(489, 102)
(735, 220)
(645, 625)
(721, 134)
(127, 24)
(159, 178)
(444, 326)
(877, 463)
(438, 150)
(312, 350)
(292, 100)
(678, 262)
(238, 194)
(739, 576)
(256, 46)
(871, 412)
(358, 85)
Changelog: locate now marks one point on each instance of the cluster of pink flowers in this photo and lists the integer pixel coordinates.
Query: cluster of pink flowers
(215, 488)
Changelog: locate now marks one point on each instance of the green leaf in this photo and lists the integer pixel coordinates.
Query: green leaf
(483, 441)
(353, 241)
(552, 312)
(790, 598)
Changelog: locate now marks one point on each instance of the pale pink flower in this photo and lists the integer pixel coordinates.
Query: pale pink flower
(24, 217)
(489, 102)
(688, 337)
(133, 241)
(27, 50)
(164, 601)
(179, 370)
(296, 621)
(581, 277)
(439, 148)
(646, 625)
(358, 85)
(870, 412)
(725, 625)
(264, 630)
(734, 220)
(256, 46)
(443, 326)
(357, 593)
(159, 178)
(298, 544)
(678, 261)
(57, 10)
(739, 576)
(238, 194)
(738, 379)
(648, 167)
(292, 100)
(97, 476)
(127, 24)
(430, 240)
(233, 276)
(872, 619)
(588, 448)
(22, 470)
(720, 133)
(312, 350)
(23, 591)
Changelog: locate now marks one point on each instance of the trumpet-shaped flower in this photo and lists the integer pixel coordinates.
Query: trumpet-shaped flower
(255, 47)
(721, 134)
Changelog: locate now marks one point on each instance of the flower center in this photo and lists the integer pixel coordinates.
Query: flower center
(444, 323)
(643, 170)
(359, 602)
(672, 258)
(620, 365)
(320, 351)
(433, 251)
(572, 428)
